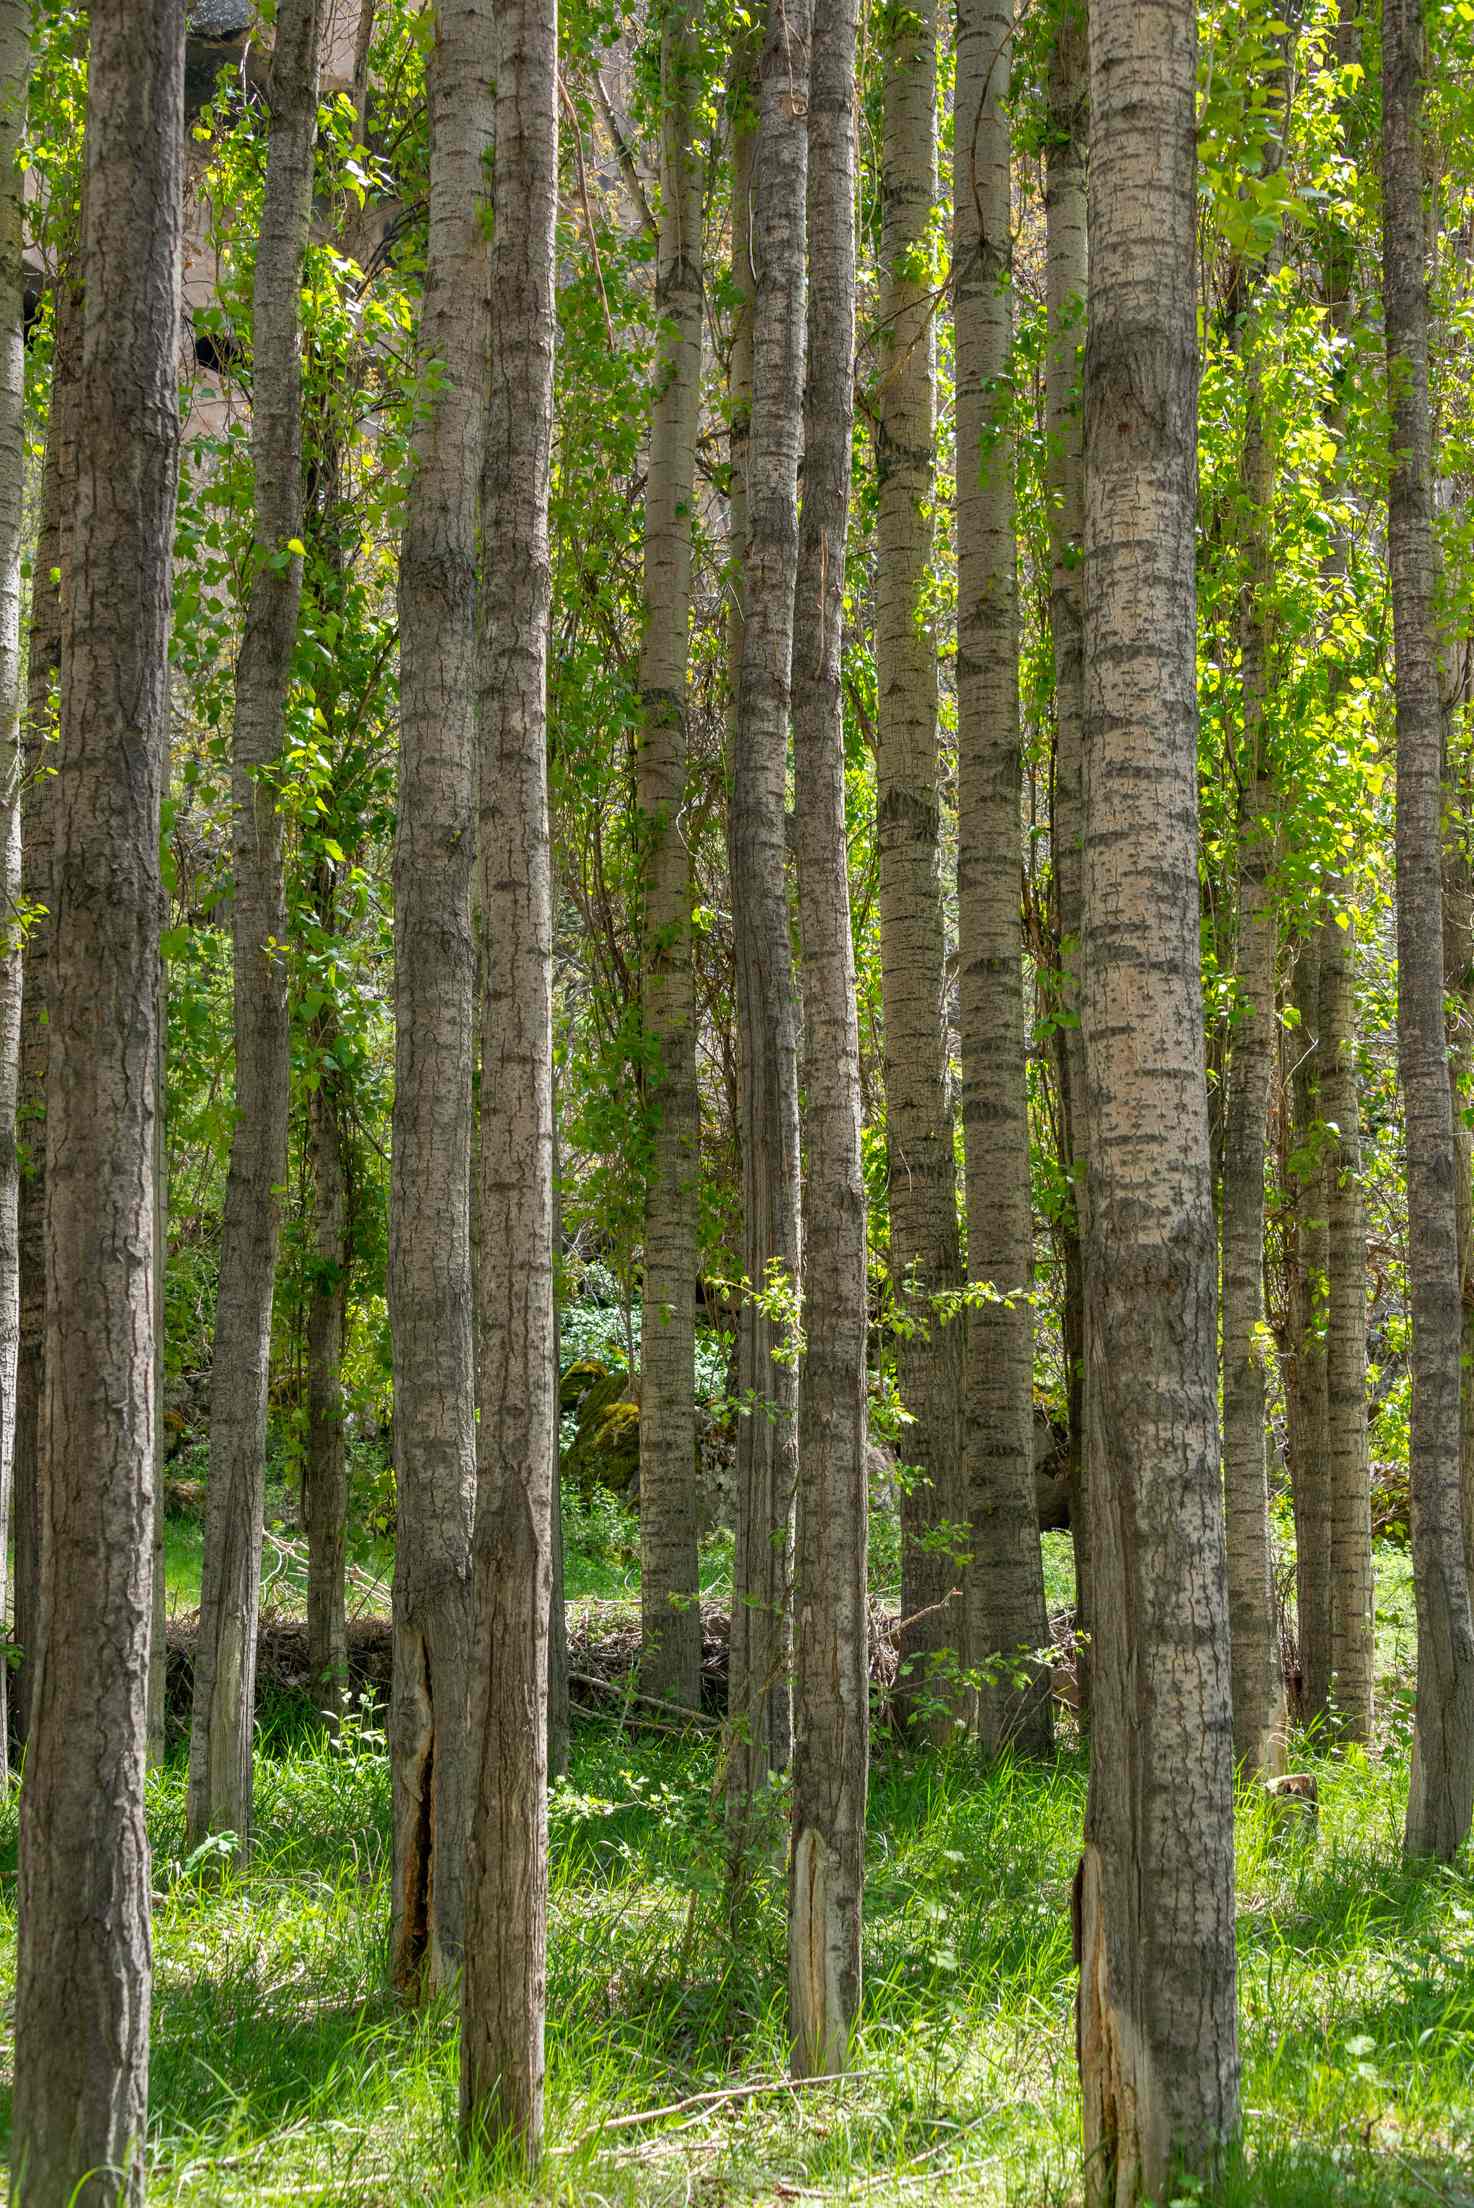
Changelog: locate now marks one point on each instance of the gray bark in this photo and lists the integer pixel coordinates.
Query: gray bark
(670, 1659)
(1306, 1372)
(325, 1464)
(1004, 1582)
(220, 1759)
(84, 1966)
(759, 1700)
(430, 1271)
(925, 1254)
(1157, 2030)
(1442, 1785)
(504, 1984)
(831, 1668)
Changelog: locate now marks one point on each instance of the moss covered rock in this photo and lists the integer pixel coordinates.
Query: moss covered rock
(605, 1450)
(576, 1382)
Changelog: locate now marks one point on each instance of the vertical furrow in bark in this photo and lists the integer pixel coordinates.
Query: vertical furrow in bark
(84, 1966)
(759, 1696)
(325, 1465)
(831, 1667)
(925, 1255)
(1442, 1785)
(504, 1984)
(669, 1503)
(430, 1258)
(1004, 1584)
(1155, 1898)
(1306, 1374)
(55, 547)
(1066, 264)
(220, 1773)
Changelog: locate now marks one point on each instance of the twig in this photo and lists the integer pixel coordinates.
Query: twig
(588, 212)
(607, 1686)
(719, 2098)
(626, 159)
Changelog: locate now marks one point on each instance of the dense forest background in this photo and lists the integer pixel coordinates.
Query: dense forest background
(809, 983)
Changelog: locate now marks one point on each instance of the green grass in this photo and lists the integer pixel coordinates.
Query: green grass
(282, 2072)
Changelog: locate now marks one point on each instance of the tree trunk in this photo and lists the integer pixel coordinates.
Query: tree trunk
(504, 1985)
(325, 1466)
(1157, 2029)
(430, 1273)
(831, 1678)
(158, 1651)
(55, 546)
(84, 1965)
(230, 1584)
(670, 1661)
(1306, 1372)
(14, 74)
(1458, 984)
(1259, 1713)
(1065, 277)
(1352, 1672)
(1004, 1584)
(925, 1259)
(759, 1701)
(1442, 1786)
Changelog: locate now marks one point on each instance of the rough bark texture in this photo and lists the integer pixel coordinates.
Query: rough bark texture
(325, 1465)
(84, 1966)
(759, 1699)
(669, 1502)
(1155, 1893)
(831, 1657)
(230, 1581)
(1306, 1373)
(55, 544)
(1458, 985)
(1259, 1713)
(925, 1256)
(1442, 1786)
(504, 1985)
(1004, 1581)
(430, 1278)
(1351, 1653)
(14, 73)
(1066, 265)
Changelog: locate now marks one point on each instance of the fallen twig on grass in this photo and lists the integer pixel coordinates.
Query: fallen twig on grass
(716, 2098)
(646, 1701)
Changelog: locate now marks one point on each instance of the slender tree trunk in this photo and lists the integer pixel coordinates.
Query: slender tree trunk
(1306, 1371)
(1004, 1586)
(1259, 1713)
(1351, 1659)
(325, 1466)
(55, 544)
(1458, 983)
(669, 1502)
(832, 1677)
(558, 1711)
(1158, 2040)
(221, 1727)
(1065, 277)
(84, 1967)
(1442, 1785)
(759, 1702)
(430, 1270)
(14, 75)
(158, 1650)
(504, 1986)
(925, 1255)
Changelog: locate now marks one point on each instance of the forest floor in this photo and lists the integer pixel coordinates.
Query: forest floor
(283, 2072)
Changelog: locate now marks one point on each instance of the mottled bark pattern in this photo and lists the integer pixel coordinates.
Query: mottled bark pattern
(1004, 1584)
(430, 1274)
(230, 1586)
(325, 1466)
(670, 1612)
(14, 71)
(1155, 1898)
(84, 1967)
(504, 1985)
(1307, 1406)
(925, 1254)
(1351, 1665)
(1259, 1713)
(759, 1701)
(1066, 263)
(1442, 1787)
(831, 1658)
